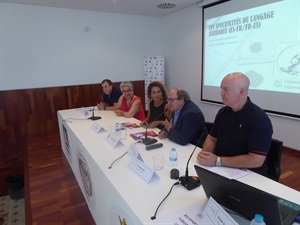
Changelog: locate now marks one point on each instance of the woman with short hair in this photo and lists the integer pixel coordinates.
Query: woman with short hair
(129, 105)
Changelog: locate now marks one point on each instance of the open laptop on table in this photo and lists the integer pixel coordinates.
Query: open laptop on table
(247, 200)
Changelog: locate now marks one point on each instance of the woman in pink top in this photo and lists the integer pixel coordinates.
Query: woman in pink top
(129, 105)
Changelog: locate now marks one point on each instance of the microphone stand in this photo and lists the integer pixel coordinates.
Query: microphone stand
(146, 140)
(150, 141)
(93, 117)
(190, 182)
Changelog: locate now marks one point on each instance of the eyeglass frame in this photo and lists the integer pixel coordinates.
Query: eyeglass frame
(126, 91)
(172, 99)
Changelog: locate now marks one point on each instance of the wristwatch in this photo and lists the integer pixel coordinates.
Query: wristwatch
(218, 161)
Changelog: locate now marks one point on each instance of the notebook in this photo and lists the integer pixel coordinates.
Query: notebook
(247, 200)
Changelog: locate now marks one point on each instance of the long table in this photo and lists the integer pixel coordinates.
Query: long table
(118, 194)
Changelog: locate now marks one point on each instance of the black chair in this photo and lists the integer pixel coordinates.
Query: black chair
(199, 139)
(208, 126)
(196, 140)
(274, 160)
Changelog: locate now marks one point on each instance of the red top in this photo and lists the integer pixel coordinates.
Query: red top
(140, 115)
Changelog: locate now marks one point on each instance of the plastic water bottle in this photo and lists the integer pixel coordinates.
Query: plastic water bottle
(118, 129)
(173, 157)
(257, 220)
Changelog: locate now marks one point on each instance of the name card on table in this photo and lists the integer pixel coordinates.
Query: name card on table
(142, 170)
(216, 214)
(134, 153)
(213, 214)
(97, 128)
(114, 140)
(84, 111)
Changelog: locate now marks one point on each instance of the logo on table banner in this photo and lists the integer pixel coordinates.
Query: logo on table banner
(118, 215)
(86, 178)
(122, 221)
(67, 144)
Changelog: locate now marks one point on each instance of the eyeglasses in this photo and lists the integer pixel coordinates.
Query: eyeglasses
(171, 99)
(126, 91)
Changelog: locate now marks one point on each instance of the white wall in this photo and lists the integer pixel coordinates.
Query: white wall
(182, 36)
(44, 46)
(182, 47)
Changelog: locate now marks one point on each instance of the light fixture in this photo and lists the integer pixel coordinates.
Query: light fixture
(166, 6)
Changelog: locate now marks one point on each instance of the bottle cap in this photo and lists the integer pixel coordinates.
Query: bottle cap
(258, 218)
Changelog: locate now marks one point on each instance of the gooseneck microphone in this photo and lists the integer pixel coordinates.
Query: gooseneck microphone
(150, 141)
(93, 117)
(190, 182)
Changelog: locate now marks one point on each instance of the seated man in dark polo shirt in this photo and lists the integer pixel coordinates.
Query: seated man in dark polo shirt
(242, 132)
(111, 95)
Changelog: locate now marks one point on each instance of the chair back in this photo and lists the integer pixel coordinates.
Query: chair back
(274, 160)
(208, 126)
(199, 139)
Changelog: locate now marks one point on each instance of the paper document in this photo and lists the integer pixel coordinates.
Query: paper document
(141, 135)
(231, 173)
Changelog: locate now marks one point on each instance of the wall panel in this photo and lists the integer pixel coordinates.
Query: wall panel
(33, 111)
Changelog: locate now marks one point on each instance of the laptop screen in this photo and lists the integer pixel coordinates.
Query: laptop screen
(239, 197)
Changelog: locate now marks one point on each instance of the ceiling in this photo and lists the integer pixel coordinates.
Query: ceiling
(133, 7)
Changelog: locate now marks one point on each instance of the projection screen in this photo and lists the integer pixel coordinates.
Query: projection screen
(260, 39)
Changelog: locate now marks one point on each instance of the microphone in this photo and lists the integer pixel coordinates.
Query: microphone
(150, 141)
(116, 160)
(154, 216)
(190, 182)
(93, 117)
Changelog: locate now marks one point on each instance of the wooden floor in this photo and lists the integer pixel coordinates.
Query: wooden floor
(53, 196)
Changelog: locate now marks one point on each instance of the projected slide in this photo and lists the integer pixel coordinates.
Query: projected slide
(263, 42)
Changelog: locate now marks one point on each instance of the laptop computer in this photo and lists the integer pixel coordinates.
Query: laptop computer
(247, 200)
